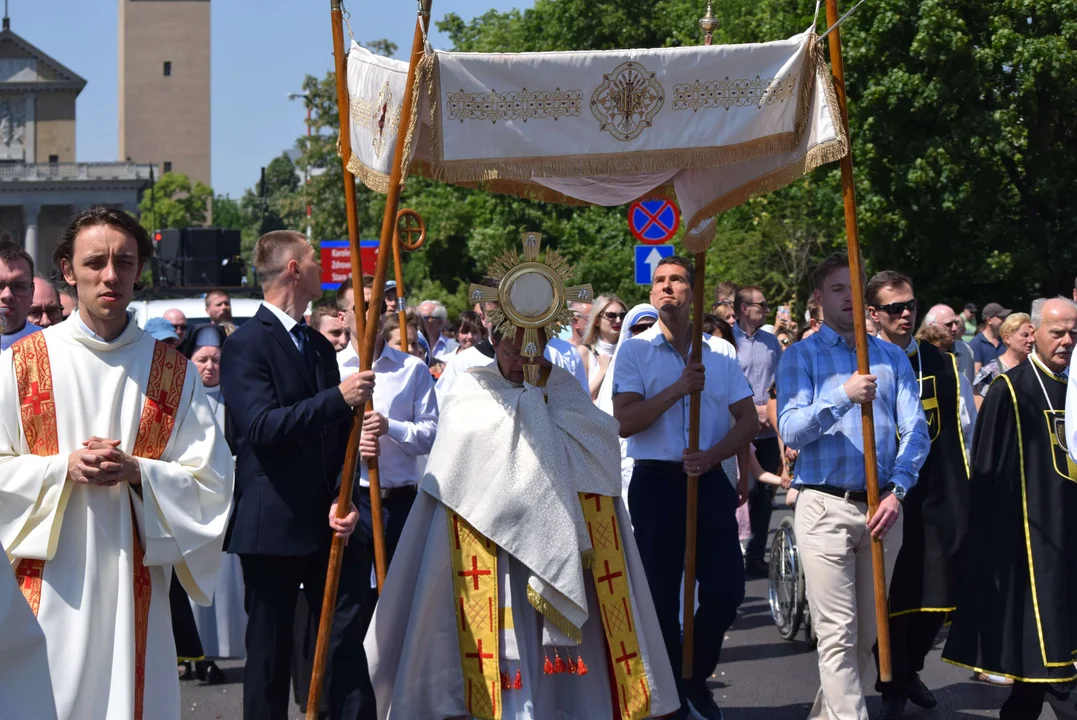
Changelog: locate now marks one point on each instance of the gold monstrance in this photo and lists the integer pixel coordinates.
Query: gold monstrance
(530, 294)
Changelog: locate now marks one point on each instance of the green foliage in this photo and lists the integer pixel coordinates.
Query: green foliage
(174, 203)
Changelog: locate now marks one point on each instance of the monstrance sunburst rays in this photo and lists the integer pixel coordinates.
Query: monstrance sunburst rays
(530, 294)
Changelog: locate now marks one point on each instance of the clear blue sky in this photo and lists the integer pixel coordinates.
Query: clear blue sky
(261, 50)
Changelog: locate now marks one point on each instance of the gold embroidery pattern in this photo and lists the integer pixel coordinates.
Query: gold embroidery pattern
(375, 116)
(627, 101)
(523, 105)
(733, 93)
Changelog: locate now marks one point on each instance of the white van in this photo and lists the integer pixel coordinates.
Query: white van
(243, 309)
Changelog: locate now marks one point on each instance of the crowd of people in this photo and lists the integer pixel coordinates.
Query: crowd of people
(123, 477)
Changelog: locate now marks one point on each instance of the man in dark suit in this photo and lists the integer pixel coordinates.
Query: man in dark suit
(292, 418)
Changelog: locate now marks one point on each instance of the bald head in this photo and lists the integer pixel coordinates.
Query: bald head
(944, 316)
(1055, 321)
(178, 320)
(45, 309)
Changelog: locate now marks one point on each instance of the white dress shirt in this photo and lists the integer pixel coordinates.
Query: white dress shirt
(404, 395)
(286, 320)
(646, 365)
(444, 348)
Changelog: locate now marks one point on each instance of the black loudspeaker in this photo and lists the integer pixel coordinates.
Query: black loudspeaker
(168, 259)
(211, 258)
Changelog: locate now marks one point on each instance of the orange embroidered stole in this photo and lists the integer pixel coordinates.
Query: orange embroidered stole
(33, 374)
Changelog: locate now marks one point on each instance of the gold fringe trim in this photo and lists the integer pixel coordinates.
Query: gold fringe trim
(548, 611)
(587, 557)
(373, 179)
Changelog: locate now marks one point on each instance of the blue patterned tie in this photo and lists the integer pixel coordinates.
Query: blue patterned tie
(303, 340)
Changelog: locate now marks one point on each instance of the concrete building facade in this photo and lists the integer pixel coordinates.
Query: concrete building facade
(164, 85)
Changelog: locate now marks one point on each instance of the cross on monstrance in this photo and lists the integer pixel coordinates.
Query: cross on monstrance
(530, 294)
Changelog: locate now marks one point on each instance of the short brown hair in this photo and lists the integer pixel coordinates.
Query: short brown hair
(938, 336)
(271, 253)
(101, 215)
(726, 289)
(682, 262)
(12, 252)
(744, 296)
(884, 279)
(834, 262)
(321, 312)
(215, 292)
(815, 311)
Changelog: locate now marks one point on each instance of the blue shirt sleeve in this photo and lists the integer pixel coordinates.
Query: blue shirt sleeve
(803, 418)
(914, 442)
(626, 373)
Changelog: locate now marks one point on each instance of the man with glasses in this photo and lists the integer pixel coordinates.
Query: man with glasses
(16, 293)
(434, 316)
(580, 313)
(923, 589)
(178, 321)
(45, 309)
(944, 317)
(759, 353)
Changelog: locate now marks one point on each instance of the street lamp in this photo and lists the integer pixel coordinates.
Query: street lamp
(306, 172)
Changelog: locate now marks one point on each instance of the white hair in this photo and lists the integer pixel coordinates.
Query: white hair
(439, 310)
(933, 314)
(1039, 303)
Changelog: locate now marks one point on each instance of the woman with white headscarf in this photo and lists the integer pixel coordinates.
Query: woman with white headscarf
(638, 319)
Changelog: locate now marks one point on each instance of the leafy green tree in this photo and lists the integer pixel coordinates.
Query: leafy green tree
(175, 202)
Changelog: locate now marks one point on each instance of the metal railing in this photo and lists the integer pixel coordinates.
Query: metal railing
(44, 172)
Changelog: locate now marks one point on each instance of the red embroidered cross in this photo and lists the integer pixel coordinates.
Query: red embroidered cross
(480, 656)
(36, 398)
(30, 570)
(597, 498)
(609, 577)
(625, 657)
(474, 572)
(161, 404)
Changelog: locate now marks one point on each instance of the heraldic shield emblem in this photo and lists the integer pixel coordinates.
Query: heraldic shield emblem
(930, 398)
(1056, 428)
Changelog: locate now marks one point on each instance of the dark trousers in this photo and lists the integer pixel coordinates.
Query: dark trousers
(761, 498)
(656, 499)
(911, 638)
(271, 593)
(1026, 701)
(394, 513)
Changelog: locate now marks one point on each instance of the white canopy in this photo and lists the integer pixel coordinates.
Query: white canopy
(710, 125)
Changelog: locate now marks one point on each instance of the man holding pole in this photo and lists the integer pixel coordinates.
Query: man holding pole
(652, 383)
(819, 399)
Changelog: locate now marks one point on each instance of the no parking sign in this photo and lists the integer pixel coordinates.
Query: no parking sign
(654, 222)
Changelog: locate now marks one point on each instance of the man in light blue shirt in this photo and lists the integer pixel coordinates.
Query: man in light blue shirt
(819, 399)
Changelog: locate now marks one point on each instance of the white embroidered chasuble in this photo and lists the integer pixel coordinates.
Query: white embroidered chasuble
(514, 466)
(25, 683)
(100, 591)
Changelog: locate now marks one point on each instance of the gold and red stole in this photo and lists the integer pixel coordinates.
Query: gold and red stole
(33, 375)
(475, 589)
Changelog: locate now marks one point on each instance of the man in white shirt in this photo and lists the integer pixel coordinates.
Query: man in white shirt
(434, 316)
(652, 383)
(16, 293)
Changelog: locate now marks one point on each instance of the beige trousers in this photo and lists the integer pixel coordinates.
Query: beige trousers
(835, 550)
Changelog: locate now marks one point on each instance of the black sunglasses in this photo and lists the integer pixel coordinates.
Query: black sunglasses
(614, 317)
(897, 308)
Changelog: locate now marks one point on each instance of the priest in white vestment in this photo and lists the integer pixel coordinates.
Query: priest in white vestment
(25, 683)
(516, 590)
(112, 471)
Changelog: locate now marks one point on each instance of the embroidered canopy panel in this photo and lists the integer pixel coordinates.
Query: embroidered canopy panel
(710, 125)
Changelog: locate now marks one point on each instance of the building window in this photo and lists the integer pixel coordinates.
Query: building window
(53, 159)
(168, 68)
(168, 166)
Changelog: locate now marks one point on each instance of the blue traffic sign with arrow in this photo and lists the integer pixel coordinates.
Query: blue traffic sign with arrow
(648, 258)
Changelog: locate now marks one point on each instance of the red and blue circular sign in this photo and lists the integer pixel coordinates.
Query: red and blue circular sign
(654, 222)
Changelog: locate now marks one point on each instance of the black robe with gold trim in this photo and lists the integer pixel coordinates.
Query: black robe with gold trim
(1017, 611)
(929, 566)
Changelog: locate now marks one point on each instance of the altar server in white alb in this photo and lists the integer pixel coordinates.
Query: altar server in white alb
(112, 471)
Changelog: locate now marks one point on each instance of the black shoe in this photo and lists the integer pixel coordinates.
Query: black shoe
(682, 713)
(919, 694)
(208, 672)
(893, 706)
(702, 701)
(185, 671)
(756, 568)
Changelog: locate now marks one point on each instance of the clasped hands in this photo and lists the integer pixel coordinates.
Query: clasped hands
(101, 462)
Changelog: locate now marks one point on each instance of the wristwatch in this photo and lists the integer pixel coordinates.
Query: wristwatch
(897, 491)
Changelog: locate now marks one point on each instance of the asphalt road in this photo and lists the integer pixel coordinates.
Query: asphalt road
(762, 677)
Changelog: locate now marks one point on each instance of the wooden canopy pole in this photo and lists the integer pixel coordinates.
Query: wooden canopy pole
(852, 233)
(691, 522)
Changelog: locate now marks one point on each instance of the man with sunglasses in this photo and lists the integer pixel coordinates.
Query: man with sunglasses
(759, 353)
(923, 588)
(45, 308)
(16, 293)
(178, 321)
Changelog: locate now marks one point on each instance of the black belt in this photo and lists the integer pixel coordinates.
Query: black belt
(660, 465)
(851, 495)
(399, 492)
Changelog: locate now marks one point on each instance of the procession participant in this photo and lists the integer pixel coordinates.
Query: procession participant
(1016, 609)
(923, 588)
(179, 322)
(45, 309)
(1019, 337)
(16, 293)
(519, 595)
(218, 306)
(652, 385)
(600, 339)
(112, 472)
(292, 417)
(819, 394)
(329, 321)
(559, 352)
(25, 684)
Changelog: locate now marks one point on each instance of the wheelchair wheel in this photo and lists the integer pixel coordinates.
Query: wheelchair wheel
(786, 592)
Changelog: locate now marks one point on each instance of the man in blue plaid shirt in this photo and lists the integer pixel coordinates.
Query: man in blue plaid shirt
(819, 399)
